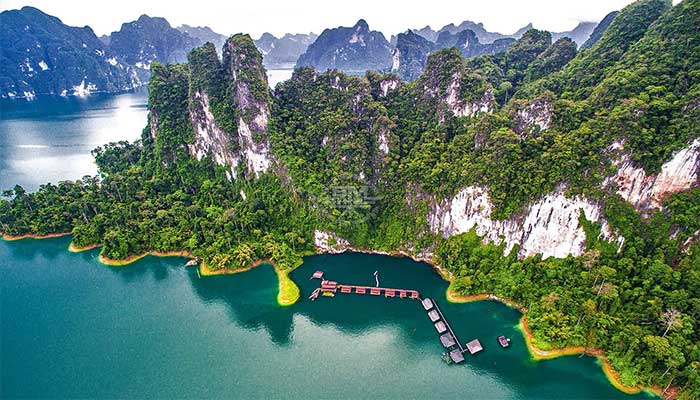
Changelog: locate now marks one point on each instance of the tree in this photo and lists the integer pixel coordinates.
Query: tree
(671, 318)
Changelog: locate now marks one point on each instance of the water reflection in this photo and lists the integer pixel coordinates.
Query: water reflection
(50, 139)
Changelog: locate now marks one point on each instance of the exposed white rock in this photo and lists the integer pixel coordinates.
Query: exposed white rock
(533, 116)
(388, 85)
(330, 242)
(43, 65)
(210, 139)
(83, 89)
(549, 226)
(256, 155)
(462, 108)
(648, 191)
(395, 60)
(383, 141)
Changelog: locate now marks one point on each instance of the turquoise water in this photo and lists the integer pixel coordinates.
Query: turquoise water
(72, 327)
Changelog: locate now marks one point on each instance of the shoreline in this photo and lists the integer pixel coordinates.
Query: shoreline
(12, 238)
(540, 354)
(75, 249)
(135, 257)
(289, 293)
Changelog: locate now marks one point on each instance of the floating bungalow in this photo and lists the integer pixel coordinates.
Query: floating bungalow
(433, 315)
(457, 356)
(317, 275)
(440, 327)
(447, 340)
(427, 303)
(474, 346)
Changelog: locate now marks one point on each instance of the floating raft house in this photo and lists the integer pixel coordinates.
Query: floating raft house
(447, 340)
(427, 304)
(456, 356)
(317, 275)
(433, 315)
(440, 327)
(474, 346)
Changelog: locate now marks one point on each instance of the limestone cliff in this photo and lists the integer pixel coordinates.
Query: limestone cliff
(646, 192)
(549, 226)
(230, 107)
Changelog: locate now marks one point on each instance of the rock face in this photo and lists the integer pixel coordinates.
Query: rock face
(599, 30)
(452, 88)
(243, 63)
(238, 86)
(410, 55)
(532, 117)
(329, 242)
(354, 49)
(148, 39)
(210, 139)
(549, 226)
(42, 56)
(646, 192)
(284, 51)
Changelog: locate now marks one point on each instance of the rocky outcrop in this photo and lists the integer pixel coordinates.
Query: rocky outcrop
(229, 107)
(532, 116)
(329, 242)
(210, 139)
(647, 192)
(410, 55)
(549, 226)
(461, 107)
(243, 64)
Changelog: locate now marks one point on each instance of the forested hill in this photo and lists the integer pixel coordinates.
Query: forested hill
(566, 181)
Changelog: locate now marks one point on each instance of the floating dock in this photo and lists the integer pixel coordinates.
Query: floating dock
(448, 338)
(334, 287)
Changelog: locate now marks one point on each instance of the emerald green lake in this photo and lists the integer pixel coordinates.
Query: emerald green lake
(72, 327)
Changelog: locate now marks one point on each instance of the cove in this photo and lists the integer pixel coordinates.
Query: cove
(72, 327)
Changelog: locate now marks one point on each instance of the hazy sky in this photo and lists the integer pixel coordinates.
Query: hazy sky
(278, 17)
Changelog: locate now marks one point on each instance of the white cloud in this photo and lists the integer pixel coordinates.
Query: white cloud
(280, 16)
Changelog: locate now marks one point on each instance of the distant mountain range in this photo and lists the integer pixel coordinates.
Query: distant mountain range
(43, 56)
(348, 49)
(284, 51)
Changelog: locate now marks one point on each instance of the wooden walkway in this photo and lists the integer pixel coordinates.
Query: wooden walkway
(335, 287)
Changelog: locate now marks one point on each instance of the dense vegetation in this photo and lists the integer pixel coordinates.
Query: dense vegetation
(367, 163)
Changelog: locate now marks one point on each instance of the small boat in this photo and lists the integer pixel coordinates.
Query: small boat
(503, 341)
(328, 294)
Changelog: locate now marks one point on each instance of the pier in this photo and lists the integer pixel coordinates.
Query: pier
(335, 287)
(448, 337)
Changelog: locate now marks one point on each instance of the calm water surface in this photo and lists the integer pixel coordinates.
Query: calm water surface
(50, 139)
(72, 327)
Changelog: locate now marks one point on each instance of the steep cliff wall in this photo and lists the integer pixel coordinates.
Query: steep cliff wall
(646, 192)
(549, 226)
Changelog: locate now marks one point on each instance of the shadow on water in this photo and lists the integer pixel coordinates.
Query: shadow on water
(250, 299)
